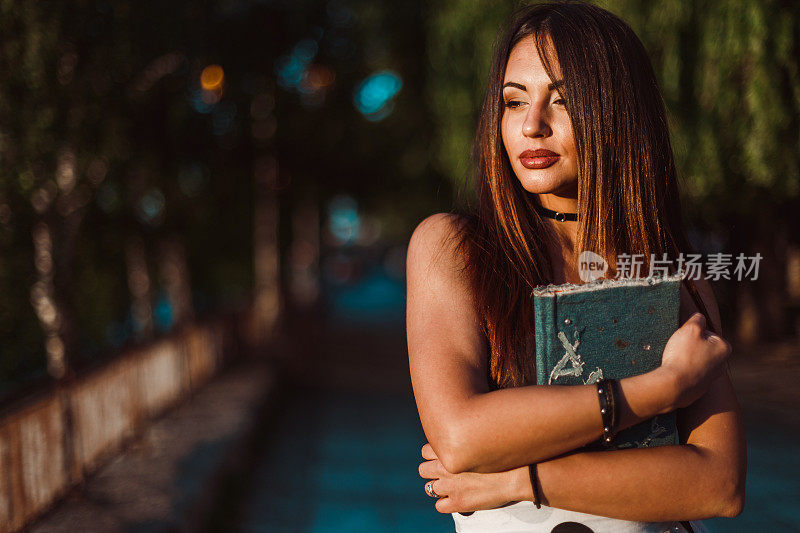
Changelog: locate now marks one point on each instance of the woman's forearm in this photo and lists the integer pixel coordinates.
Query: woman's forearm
(508, 428)
(680, 482)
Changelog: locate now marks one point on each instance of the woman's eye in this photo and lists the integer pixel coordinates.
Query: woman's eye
(513, 104)
(559, 101)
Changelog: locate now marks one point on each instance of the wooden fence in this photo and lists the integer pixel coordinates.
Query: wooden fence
(51, 440)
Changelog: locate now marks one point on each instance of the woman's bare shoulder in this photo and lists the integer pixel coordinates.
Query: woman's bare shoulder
(435, 242)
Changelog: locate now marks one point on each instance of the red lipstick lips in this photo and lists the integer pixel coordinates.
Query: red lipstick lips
(537, 159)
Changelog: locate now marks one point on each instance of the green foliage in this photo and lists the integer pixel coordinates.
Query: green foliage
(460, 38)
(729, 74)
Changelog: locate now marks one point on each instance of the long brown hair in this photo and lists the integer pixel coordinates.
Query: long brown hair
(627, 184)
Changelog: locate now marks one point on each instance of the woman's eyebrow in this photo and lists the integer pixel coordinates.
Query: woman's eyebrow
(550, 87)
(515, 85)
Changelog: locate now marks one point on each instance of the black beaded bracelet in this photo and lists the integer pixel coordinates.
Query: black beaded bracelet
(608, 409)
(535, 485)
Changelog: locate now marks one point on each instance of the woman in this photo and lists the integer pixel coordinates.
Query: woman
(572, 122)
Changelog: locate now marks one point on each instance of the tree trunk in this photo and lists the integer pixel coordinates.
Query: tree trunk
(762, 302)
(176, 279)
(139, 287)
(45, 302)
(266, 261)
(304, 254)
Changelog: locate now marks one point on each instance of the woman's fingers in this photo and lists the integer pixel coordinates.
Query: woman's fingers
(435, 472)
(427, 452)
(445, 506)
(425, 470)
(439, 487)
(431, 469)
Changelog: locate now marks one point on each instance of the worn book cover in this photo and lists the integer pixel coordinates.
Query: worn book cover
(612, 328)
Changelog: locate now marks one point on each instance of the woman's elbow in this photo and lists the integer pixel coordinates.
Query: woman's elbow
(453, 451)
(733, 506)
(733, 502)
(733, 492)
(726, 472)
(453, 458)
(451, 461)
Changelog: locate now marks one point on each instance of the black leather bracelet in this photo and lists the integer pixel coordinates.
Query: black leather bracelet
(608, 409)
(535, 485)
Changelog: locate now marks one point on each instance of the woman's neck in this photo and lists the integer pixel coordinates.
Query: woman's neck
(567, 230)
(564, 236)
(562, 204)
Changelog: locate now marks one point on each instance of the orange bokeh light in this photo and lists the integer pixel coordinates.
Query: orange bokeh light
(212, 78)
(320, 76)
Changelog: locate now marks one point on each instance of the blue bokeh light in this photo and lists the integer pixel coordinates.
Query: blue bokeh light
(198, 102)
(151, 206)
(344, 221)
(374, 97)
(292, 67)
(163, 316)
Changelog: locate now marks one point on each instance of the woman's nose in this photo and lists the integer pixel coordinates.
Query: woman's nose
(535, 124)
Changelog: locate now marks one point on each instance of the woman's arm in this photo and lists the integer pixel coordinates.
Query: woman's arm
(472, 429)
(701, 478)
(497, 430)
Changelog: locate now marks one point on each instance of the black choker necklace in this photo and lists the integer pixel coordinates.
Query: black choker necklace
(557, 215)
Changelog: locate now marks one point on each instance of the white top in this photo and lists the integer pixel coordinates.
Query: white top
(524, 517)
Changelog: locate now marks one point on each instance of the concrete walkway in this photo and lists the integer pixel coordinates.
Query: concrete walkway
(164, 480)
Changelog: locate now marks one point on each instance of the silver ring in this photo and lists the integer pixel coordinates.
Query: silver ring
(429, 489)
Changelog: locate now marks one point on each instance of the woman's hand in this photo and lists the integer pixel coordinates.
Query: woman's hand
(693, 358)
(471, 491)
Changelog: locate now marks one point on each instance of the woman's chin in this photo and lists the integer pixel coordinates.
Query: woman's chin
(549, 185)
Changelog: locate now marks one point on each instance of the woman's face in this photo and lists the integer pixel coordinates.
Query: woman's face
(536, 129)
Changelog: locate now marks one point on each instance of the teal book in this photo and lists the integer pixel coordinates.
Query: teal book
(608, 328)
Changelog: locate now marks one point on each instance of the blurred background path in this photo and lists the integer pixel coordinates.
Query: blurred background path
(345, 451)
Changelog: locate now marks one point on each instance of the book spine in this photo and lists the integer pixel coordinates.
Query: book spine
(544, 316)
